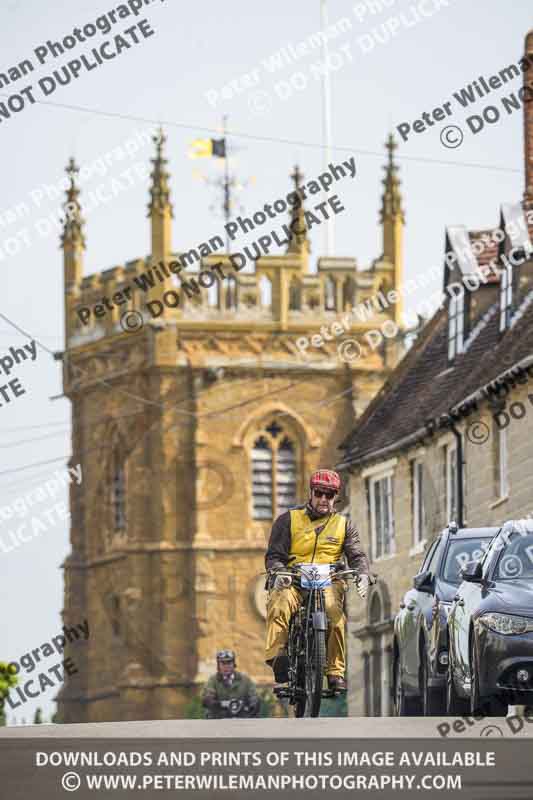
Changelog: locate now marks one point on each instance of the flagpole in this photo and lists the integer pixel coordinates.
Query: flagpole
(329, 230)
(226, 179)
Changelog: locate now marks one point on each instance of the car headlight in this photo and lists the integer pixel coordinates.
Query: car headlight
(446, 607)
(506, 623)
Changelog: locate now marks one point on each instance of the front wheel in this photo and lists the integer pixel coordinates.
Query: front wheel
(404, 706)
(433, 700)
(487, 706)
(315, 666)
(455, 705)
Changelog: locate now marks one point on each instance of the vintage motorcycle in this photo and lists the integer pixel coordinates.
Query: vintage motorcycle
(306, 647)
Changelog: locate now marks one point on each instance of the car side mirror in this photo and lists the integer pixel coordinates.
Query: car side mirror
(423, 581)
(472, 572)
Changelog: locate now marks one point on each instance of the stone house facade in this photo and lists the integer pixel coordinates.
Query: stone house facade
(450, 435)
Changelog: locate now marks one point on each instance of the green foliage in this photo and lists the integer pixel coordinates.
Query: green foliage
(334, 706)
(38, 717)
(194, 708)
(8, 679)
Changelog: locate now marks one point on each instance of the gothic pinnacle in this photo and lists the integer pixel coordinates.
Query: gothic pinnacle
(73, 222)
(159, 190)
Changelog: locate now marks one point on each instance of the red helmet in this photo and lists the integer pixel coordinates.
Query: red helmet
(326, 479)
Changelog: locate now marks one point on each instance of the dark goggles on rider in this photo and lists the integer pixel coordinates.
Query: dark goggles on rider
(329, 493)
(225, 655)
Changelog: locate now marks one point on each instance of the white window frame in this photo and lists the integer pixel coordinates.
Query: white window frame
(450, 455)
(391, 550)
(456, 322)
(502, 462)
(418, 508)
(506, 296)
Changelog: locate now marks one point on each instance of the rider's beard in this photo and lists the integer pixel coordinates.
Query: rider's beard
(228, 679)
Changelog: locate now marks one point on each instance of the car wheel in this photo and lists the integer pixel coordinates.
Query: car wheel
(455, 705)
(404, 706)
(433, 700)
(488, 706)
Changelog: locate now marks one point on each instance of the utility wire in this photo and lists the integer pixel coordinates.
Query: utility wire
(271, 139)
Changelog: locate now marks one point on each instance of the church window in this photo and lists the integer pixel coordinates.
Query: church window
(348, 294)
(231, 292)
(265, 291)
(331, 294)
(119, 495)
(273, 473)
(295, 295)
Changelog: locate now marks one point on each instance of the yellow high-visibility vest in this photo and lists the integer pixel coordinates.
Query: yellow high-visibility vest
(329, 542)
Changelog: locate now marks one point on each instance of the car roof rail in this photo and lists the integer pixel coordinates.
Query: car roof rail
(453, 527)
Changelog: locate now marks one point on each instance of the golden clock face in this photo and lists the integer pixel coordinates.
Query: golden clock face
(260, 596)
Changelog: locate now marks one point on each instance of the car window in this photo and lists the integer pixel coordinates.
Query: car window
(516, 557)
(432, 560)
(459, 553)
(429, 552)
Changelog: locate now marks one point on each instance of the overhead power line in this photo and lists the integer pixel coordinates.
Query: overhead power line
(272, 139)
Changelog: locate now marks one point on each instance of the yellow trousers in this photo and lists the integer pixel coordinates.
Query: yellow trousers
(283, 603)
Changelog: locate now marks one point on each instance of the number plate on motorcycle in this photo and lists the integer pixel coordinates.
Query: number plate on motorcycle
(315, 576)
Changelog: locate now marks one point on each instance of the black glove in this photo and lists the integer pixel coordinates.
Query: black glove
(210, 701)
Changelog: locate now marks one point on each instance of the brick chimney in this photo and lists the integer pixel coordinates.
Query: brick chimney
(528, 129)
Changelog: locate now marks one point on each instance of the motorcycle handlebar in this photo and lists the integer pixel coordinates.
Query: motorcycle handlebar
(335, 575)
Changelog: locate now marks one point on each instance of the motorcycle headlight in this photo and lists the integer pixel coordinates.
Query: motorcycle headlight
(507, 624)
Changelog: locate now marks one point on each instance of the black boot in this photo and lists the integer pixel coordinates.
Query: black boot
(280, 665)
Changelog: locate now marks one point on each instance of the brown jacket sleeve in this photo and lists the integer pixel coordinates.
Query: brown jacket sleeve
(355, 555)
(279, 543)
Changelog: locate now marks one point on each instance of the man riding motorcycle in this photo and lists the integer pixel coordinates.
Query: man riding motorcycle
(229, 693)
(313, 532)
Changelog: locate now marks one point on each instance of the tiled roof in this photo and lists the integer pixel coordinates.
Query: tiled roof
(424, 385)
(490, 249)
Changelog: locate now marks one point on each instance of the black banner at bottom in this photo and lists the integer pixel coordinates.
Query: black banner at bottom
(255, 768)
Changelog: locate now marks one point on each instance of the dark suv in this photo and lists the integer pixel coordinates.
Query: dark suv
(420, 648)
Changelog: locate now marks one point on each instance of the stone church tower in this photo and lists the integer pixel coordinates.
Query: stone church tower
(194, 432)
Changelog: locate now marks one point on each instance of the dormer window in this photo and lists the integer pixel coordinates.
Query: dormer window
(456, 317)
(506, 296)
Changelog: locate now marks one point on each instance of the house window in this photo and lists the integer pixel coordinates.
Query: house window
(501, 481)
(331, 294)
(273, 473)
(450, 481)
(506, 296)
(381, 516)
(118, 498)
(418, 506)
(456, 315)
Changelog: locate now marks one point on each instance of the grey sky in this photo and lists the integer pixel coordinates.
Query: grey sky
(197, 48)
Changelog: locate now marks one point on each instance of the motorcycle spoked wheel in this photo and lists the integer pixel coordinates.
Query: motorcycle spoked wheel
(297, 661)
(314, 669)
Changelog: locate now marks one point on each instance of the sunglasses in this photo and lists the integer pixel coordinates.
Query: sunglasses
(324, 493)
